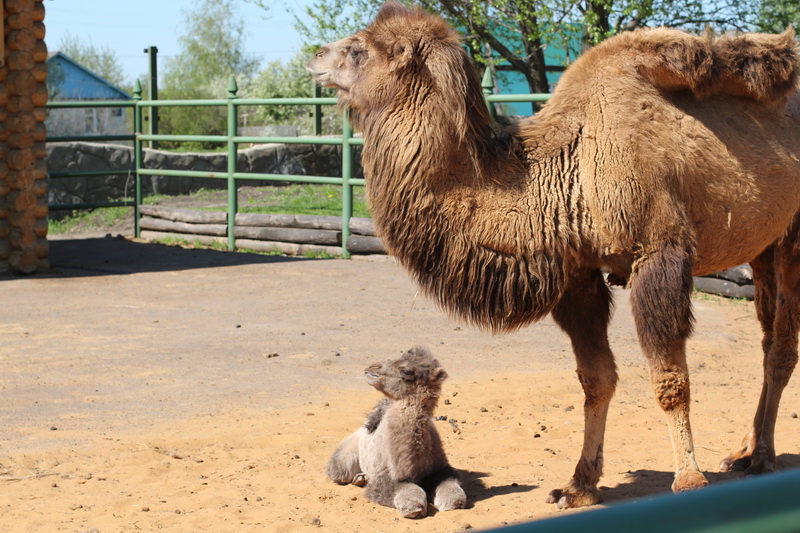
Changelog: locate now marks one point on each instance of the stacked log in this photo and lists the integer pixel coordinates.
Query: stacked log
(298, 235)
(288, 234)
(23, 170)
(736, 282)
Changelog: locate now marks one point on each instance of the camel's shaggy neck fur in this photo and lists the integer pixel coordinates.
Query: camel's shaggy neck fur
(436, 203)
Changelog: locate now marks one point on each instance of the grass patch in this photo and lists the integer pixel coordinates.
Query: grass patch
(295, 199)
(92, 220)
(257, 252)
(301, 199)
(173, 241)
(314, 254)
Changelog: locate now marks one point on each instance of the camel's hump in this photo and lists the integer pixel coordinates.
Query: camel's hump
(760, 66)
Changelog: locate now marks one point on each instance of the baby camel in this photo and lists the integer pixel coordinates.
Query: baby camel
(397, 453)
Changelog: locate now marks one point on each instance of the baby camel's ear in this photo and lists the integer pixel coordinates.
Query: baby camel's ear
(438, 375)
(401, 54)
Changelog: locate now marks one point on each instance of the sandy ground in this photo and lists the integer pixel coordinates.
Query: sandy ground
(154, 388)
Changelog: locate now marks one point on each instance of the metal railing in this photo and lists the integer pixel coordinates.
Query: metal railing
(232, 141)
(94, 104)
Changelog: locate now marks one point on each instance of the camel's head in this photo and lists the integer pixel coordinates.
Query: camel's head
(393, 54)
(415, 374)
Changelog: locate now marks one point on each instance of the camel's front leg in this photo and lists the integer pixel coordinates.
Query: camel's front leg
(408, 498)
(662, 308)
(777, 282)
(583, 313)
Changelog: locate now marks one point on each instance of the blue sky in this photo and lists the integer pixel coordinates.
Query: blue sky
(128, 27)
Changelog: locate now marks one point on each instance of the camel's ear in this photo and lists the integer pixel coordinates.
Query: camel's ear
(401, 53)
(439, 375)
(788, 34)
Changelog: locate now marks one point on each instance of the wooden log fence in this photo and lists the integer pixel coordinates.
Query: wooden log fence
(288, 234)
(302, 234)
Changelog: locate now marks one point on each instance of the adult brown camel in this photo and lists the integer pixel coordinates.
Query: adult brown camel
(660, 156)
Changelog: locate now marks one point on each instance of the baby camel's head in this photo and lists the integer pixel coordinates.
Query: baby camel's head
(415, 373)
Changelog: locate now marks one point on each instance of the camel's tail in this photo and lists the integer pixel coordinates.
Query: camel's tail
(758, 66)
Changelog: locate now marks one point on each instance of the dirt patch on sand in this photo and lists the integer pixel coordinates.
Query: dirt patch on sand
(148, 387)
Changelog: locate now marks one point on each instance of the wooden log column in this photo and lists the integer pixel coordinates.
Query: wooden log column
(23, 170)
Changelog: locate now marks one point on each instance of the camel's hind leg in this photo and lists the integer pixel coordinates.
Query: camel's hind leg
(583, 313)
(662, 308)
(343, 466)
(776, 273)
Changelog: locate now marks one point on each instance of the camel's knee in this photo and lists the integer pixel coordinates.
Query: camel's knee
(598, 384)
(671, 388)
(449, 495)
(781, 364)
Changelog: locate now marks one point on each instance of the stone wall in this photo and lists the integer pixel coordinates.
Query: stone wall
(300, 159)
(23, 171)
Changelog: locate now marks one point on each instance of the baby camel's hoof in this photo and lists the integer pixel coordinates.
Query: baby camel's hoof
(449, 495)
(414, 513)
(360, 479)
(688, 480)
(570, 498)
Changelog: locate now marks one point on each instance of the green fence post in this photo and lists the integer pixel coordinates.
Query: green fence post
(488, 90)
(233, 198)
(137, 156)
(347, 188)
(152, 86)
(317, 111)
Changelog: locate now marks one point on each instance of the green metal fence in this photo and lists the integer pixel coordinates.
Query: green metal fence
(232, 141)
(94, 104)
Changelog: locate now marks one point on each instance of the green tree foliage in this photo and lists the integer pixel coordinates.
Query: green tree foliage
(774, 16)
(289, 80)
(212, 50)
(325, 21)
(100, 60)
(517, 31)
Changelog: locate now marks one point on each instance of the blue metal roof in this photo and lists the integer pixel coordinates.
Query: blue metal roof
(76, 82)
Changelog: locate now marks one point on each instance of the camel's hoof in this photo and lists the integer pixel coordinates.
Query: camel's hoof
(740, 460)
(735, 462)
(570, 498)
(762, 463)
(758, 462)
(360, 479)
(688, 480)
(416, 513)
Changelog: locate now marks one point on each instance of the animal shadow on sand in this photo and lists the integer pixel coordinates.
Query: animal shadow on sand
(477, 490)
(645, 483)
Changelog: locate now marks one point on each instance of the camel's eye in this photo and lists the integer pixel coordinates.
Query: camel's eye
(407, 374)
(357, 55)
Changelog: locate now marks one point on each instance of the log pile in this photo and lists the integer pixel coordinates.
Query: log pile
(736, 282)
(287, 234)
(301, 234)
(23, 169)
